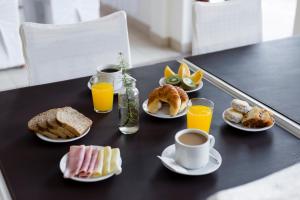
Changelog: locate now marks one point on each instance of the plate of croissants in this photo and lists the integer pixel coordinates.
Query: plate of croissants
(247, 118)
(167, 102)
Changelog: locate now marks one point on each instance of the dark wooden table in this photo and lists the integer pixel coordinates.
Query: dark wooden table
(269, 72)
(30, 165)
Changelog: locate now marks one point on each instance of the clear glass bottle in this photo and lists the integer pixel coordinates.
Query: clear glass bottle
(128, 100)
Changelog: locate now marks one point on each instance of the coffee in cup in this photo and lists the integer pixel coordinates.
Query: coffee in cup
(192, 138)
(192, 148)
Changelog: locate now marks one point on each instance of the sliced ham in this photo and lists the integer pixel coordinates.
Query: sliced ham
(86, 161)
(74, 161)
(93, 161)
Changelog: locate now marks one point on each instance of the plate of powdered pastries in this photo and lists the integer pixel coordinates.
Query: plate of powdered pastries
(247, 118)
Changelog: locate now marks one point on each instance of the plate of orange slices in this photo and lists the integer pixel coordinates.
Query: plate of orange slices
(184, 79)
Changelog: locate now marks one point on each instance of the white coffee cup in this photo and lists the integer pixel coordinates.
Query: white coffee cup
(193, 156)
(103, 74)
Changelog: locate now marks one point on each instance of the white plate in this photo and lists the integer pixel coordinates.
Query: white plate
(63, 164)
(163, 112)
(215, 161)
(90, 87)
(162, 82)
(42, 137)
(243, 128)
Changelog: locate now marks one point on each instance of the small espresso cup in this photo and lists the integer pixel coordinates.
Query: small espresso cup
(189, 153)
(109, 73)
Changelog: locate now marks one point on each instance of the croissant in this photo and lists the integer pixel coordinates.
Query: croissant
(184, 98)
(174, 96)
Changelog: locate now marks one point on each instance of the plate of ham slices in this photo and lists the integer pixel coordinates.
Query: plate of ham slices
(91, 163)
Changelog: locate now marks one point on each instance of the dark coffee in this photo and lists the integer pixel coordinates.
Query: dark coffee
(109, 70)
(192, 139)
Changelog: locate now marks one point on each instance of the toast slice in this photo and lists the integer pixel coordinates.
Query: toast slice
(42, 122)
(33, 124)
(47, 133)
(39, 124)
(42, 118)
(54, 124)
(73, 120)
(38, 121)
(50, 115)
(57, 131)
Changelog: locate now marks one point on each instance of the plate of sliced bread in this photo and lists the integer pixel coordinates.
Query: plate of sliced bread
(60, 125)
(244, 117)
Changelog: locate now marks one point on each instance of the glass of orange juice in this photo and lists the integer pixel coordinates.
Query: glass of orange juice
(199, 114)
(103, 95)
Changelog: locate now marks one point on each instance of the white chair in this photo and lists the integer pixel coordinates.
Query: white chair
(225, 25)
(61, 11)
(10, 42)
(60, 52)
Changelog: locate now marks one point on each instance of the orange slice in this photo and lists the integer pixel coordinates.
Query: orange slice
(168, 72)
(197, 77)
(184, 70)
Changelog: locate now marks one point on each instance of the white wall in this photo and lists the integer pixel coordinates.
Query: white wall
(135, 8)
(159, 19)
(180, 20)
(165, 18)
(297, 20)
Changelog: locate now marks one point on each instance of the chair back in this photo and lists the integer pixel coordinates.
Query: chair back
(225, 25)
(60, 52)
(11, 54)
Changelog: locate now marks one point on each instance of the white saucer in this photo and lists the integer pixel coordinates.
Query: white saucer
(163, 112)
(61, 140)
(162, 82)
(214, 163)
(63, 164)
(243, 128)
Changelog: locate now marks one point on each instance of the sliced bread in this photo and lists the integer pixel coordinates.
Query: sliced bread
(57, 131)
(47, 134)
(42, 122)
(73, 120)
(33, 124)
(54, 124)
(38, 121)
(50, 115)
(39, 124)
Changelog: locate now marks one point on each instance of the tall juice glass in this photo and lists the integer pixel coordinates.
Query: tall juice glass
(103, 95)
(199, 114)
